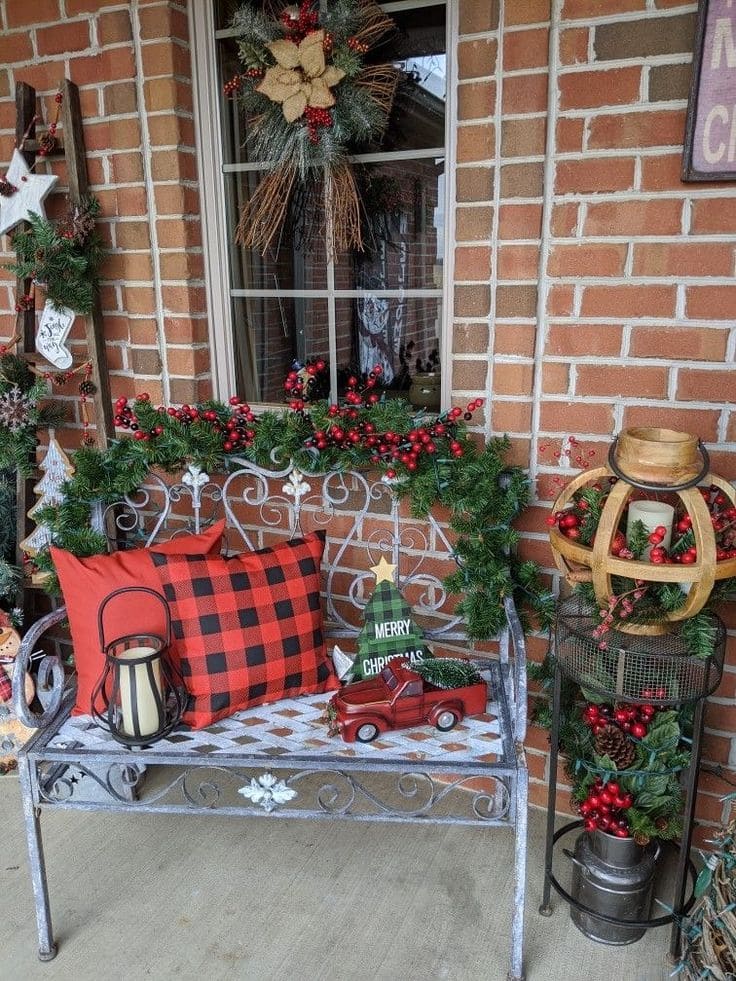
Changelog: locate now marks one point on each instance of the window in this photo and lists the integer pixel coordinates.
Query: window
(381, 306)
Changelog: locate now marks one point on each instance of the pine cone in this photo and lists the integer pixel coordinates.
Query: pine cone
(612, 742)
(87, 388)
(641, 839)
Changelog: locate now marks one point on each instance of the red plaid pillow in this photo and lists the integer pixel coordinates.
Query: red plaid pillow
(248, 629)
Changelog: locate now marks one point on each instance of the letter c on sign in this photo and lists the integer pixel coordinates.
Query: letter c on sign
(714, 156)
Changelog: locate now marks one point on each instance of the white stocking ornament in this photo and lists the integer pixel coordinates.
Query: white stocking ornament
(53, 330)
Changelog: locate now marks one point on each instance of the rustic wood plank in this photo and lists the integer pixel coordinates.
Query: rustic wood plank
(76, 163)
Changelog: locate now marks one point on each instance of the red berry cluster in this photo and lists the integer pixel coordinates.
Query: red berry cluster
(328, 43)
(297, 24)
(359, 47)
(236, 82)
(24, 303)
(315, 120)
(604, 809)
(632, 719)
(347, 431)
(236, 431)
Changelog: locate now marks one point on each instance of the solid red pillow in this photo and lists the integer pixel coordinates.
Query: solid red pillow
(247, 629)
(86, 582)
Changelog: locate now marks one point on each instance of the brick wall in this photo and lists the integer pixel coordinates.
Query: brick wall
(634, 267)
(131, 63)
(613, 284)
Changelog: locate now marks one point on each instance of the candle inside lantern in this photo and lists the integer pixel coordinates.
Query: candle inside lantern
(138, 698)
(652, 514)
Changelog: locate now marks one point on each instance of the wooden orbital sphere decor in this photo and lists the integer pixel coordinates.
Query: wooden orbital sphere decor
(659, 461)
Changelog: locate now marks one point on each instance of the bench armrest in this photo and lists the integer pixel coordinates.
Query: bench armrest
(50, 679)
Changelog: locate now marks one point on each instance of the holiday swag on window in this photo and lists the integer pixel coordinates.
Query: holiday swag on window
(389, 629)
(311, 99)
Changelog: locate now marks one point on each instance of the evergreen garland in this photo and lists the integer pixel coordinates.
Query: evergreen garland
(483, 494)
(64, 258)
(447, 672)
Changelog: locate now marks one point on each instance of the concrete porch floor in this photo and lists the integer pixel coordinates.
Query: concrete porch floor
(159, 897)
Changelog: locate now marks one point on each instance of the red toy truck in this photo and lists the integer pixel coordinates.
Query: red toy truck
(398, 698)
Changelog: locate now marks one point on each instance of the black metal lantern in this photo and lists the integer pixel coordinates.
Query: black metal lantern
(141, 691)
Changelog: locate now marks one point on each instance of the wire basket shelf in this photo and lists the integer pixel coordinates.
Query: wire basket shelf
(656, 669)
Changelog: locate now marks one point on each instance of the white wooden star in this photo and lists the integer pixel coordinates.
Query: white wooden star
(384, 571)
(32, 189)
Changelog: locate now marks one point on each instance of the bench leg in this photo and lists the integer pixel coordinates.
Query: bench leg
(516, 972)
(37, 865)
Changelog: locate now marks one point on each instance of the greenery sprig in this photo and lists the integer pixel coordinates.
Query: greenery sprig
(64, 258)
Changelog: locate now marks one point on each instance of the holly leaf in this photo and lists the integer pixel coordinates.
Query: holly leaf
(665, 736)
(605, 763)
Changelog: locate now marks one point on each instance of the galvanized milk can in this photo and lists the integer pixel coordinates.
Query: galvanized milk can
(615, 877)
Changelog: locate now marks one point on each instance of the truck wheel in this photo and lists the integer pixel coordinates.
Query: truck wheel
(446, 720)
(366, 733)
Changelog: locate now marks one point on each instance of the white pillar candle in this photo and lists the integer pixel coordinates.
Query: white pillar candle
(652, 514)
(149, 720)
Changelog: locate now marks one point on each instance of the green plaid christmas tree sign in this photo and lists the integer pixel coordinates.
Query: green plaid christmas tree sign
(389, 629)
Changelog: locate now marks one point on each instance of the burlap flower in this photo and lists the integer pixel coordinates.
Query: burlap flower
(300, 77)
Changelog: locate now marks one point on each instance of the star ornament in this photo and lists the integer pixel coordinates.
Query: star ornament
(29, 196)
(384, 571)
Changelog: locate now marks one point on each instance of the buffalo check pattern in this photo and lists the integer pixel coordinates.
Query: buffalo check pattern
(248, 629)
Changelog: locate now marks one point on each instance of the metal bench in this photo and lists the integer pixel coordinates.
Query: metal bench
(278, 760)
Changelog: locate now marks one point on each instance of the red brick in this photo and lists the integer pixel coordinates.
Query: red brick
(62, 37)
(525, 49)
(556, 378)
(574, 45)
(518, 262)
(569, 135)
(621, 380)
(582, 8)
(637, 129)
(560, 301)
(588, 89)
(696, 259)
(704, 422)
(19, 14)
(523, 221)
(475, 143)
(163, 22)
(44, 77)
(591, 259)
(682, 343)
(513, 379)
(184, 299)
(524, 93)
(629, 301)
(710, 302)
(111, 64)
(15, 48)
(714, 216)
(473, 224)
(88, 6)
(656, 217)
(706, 385)
(515, 339)
(171, 130)
(473, 263)
(576, 417)
(528, 12)
(564, 220)
(511, 417)
(594, 175)
(581, 340)
(114, 26)
(175, 233)
(476, 59)
(475, 100)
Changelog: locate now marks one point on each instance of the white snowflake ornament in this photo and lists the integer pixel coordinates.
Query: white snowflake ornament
(268, 792)
(30, 191)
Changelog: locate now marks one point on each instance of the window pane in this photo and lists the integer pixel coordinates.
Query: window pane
(402, 229)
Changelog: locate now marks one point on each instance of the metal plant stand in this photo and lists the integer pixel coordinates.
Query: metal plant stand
(630, 665)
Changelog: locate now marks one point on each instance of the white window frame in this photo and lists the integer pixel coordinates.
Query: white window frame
(211, 169)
